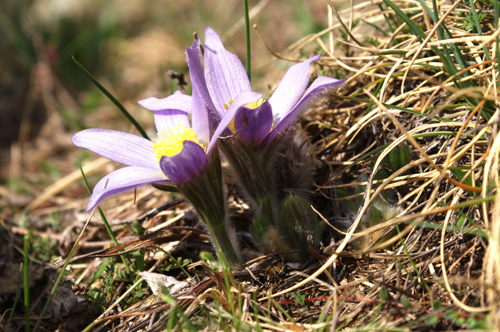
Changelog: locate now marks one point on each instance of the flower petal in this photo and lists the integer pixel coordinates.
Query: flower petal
(127, 149)
(320, 85)
(121, 180)
(291, 88)
(202, 102)
(246, 97)
(185, 165)
(226, 77)
(196, 74)
(177, 101)
(199, 118)
(259, 123)
(170, 118)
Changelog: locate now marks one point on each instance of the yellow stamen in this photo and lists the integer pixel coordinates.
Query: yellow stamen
(255, 104)
(228, 105)
(170, 142)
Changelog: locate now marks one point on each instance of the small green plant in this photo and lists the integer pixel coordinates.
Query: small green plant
(299, 298)
(55, 220)
(470, 24)
(372, 40)
(45, 248)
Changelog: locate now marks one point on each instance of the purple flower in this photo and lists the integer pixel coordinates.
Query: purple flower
(176, 157)
(257, 122)
(180, 154)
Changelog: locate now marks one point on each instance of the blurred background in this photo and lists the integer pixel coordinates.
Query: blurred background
(128, 46)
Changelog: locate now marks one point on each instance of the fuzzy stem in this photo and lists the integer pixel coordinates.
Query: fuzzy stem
(207, 196)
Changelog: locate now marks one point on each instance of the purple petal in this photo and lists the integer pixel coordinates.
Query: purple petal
(291, 88)
(196, 73)
(199, 118)
(127, 149)
(170, 118)
(177, 101)
(258, 126)
(185, 165)
(121, 180)
(246, 97)
(320, 85)
(226, 77)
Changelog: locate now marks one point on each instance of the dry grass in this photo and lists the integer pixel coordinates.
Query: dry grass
(432, 259)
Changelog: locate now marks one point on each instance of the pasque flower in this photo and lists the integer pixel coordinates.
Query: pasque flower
(225, 112)
(179, 154)
(256, 138)
(184, 155)
(259, 121)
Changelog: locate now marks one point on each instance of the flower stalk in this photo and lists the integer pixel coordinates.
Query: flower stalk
(207, 196)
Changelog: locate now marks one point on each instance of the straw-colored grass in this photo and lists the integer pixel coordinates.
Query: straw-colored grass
(432, 261)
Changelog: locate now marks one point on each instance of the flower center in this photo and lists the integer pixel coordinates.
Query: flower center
(254, 104)
(170, 142)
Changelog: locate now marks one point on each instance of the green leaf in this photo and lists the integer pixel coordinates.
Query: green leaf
(432, 320)
(299, 298)
(459, 173)
(451, 314)
(437, 305)
(405, 302)
(98, 273)
(384, 294)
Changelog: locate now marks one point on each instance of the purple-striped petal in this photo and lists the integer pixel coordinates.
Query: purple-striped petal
(291, 88)
(226, 77)
(185, 165)
(177, 101)
(321, 85)
(196, 74)
(121, 180)
(259, 122)
(246, 97)
(199, 118)
(171, 118)
(127, 149)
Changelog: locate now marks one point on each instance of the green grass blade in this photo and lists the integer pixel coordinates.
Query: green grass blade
(378, 28)
(391, 52)
(377, 90)
(387, 20)
(478, 27)
(58, 281)
(104, 220)
(18, 293)
(496, 10)
(429, 11)
(247, 36)
(415, 268)
(454, 48)
(26, 283)
(416, 30)
(113, 99)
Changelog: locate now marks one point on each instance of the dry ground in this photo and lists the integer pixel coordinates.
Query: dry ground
(407, 151)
